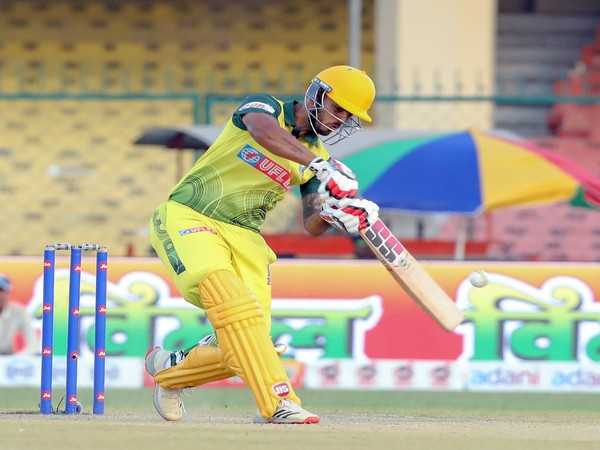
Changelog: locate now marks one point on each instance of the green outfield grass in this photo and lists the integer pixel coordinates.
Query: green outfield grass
(222, 419)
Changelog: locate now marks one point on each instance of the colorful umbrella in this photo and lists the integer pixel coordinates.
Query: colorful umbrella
(467, 173)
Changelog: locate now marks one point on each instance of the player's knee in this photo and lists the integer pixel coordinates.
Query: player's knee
(227, 300)
(188, 283)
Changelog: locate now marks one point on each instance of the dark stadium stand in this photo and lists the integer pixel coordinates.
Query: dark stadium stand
(578, 120)
(532, 52)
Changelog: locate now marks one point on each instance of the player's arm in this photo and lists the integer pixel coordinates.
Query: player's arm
(311, 208)
(258, 115)
(265, 130)
(337, 180)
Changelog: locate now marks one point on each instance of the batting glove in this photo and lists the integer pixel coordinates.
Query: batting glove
(337, 180)
(350, 214)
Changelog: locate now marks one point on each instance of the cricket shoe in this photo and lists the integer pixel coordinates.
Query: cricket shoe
(167, 402)
(288, 412)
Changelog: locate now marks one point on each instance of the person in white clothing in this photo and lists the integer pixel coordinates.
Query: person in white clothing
(14, 319)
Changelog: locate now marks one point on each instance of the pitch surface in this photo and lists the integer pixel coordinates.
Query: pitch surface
(222, 419)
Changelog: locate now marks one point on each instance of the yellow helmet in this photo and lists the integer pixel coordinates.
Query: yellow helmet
(350, 88)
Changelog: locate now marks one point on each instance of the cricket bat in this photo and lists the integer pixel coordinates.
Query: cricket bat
(411, 276)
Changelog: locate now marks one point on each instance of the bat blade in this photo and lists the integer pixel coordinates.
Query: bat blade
(413, 278)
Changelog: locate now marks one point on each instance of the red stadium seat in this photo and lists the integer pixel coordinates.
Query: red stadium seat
(568, 120)
(590, 55)
(595, 131)
(571, 86)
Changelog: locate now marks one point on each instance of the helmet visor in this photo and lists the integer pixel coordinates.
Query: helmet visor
(314, 102)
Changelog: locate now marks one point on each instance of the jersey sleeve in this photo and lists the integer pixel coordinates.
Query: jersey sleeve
(262, 103)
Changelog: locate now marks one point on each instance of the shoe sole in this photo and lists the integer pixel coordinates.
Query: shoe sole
(308, 421)
(152, 372)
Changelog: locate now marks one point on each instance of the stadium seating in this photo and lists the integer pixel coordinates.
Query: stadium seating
(579, 120)
(161, 45)
(69, 170)
(532, 52)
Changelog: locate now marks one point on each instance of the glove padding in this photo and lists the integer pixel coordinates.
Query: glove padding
(337, 180)
(350, 214)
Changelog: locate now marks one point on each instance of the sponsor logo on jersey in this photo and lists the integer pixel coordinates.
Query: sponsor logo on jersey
(281, 389)
(266, 165)
(196, 230)
(250, 155)
(257, 105)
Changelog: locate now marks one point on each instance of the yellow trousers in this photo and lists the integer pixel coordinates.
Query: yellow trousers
(223, 269)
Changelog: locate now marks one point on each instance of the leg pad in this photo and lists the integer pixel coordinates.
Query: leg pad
(201, 365)
(239, 322)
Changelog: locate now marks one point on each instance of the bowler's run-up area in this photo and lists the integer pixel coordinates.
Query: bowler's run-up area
(520, 372)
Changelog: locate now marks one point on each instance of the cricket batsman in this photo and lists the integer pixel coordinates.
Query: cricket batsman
(208, 234)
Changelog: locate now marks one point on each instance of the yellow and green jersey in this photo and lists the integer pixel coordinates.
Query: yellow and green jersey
(238, 181)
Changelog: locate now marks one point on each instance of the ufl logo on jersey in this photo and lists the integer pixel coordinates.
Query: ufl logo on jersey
(281, 389)
(266, 165)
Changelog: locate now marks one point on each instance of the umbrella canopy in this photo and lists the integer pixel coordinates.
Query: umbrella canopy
(179, 139)
(174, 137)
(467, 173)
